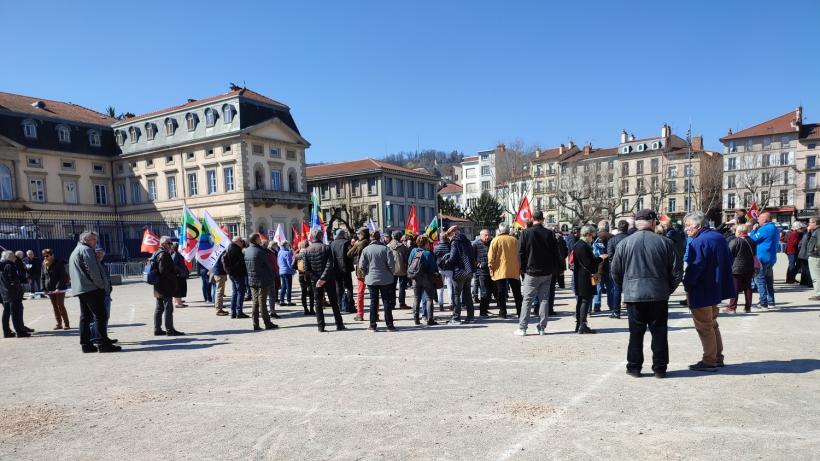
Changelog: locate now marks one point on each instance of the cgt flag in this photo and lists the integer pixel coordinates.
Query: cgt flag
(150, 242)
(189, 232)
(412, 227)
(295, 237)
(524, 214)
(754, 211)
(212, 243)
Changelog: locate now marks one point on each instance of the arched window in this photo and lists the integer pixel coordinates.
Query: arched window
(6, 187)
(30, 129)
(210, 117)
(170, 126)
(190, 120)
(134, 132)
(63, 134)
(120, 135)
(227, 113)
(292, 187)
(94, 138)
(150, 131)
(259, 179)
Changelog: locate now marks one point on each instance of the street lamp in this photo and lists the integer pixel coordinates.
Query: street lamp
(388, 214)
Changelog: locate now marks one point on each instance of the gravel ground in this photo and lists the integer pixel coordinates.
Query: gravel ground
(448, 392)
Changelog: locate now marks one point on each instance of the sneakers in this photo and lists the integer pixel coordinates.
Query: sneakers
(541, 332)
(615, 315)
(520, 332)
(700, 366)
(221, 312)
(455, 322)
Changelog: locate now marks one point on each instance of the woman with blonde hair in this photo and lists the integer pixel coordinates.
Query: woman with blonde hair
(743, 267)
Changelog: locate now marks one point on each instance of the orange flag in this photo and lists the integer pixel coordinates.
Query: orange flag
(524, 214)
(150, 242)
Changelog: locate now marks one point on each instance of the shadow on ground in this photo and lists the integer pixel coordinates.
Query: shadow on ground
(765, 367)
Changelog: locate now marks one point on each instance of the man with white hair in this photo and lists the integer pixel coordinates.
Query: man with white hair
(646, 268)
(88, 282)
(505, 269)
(766, 236)
(11, 295)
(319, 266)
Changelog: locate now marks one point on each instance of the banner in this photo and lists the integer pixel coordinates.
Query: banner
(412, 227)
(305, 232)
(189, 232)
(150, 242)
(279, 235)
(212, 243)
(523, 215)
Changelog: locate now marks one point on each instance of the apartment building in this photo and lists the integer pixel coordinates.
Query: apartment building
(482, 173)
(545, 170)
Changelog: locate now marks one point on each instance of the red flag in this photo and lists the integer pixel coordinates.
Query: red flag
(263, 237)
(150, 242)
(412, 227)
(754, 211)
(305, 231)
(524, 214)
(227, 232)
(294, 236)
(188, 264)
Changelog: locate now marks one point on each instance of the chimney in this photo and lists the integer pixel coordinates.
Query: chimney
(623, 136)
(798, 118)
(38, 104)
(561, 149)
(587, 149)
(697, 143)
(729, 133)
(631, 136)
(570, 145)
(537, 153)
(501, 148)
(665, 131)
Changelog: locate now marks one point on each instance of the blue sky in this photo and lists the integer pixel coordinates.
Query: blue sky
(365, 78)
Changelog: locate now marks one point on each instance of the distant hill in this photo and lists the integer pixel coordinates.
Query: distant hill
(436, 162)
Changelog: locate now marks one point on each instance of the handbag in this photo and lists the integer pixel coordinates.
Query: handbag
(438, 281)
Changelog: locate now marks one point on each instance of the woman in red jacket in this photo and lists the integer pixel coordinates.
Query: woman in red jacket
(792, 248)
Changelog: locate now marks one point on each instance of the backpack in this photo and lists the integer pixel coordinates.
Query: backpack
(150, 274)
(572, 260)
(444, 263)
(415, 267)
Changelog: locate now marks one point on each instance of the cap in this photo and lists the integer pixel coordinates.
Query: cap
(646, 215)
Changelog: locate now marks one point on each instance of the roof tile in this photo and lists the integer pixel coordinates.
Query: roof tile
(52, 109)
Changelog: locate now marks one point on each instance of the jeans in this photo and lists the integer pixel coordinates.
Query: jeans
(705, 319)
(387, 293)
(604, 285)
(92, 307)
(402, 282)
(743, 284)
(13, 310)
(329, 288)
(92, 328)
(307, 293)
(344, 289)
(654, 316)
(791, 271)
(613, 298)
(536, 285)
(164, 308)
(207, 287)
(420, 289)
(484, 289)
(238, 296)
(502, 285)
(448, 284)
(259, 295)
(462, 297)
(285, 290)
(764, 280)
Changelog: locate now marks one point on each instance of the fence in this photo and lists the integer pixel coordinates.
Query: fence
(126, 270)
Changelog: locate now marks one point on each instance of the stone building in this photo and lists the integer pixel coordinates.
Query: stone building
(807, 159)
(544, 169)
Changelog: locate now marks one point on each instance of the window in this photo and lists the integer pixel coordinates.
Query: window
(136, 192)
(639, 167)
(421, 189)
(259, 179)
(192, 186)
(226, 149)
(784, 197)
(785, 140)
(654, 165)
(625, 150)
(229, 183)
(625, 204)
(656, 145)
(766, 160)
(210, 178)
(767, 141)
(6, 187)
(786, 177)
(672, 186)
(169, 160)
(35, 162)
(274, 152)
(784, 158)
(411, 188)
(291, 155)
(70, 192)
(37, 190)
(171, 182)
(388, 186)
(371, 186)
(672, 205)
(471, 188)
(672, 172)
(485, 186)
(63, 134)
(325, 191)
(94, 138)
(485, 170)
(149, 163)
(811, 161)
(190, 121)
(98, 168)
(766, 178)
(747, 199)
(639, 205)
(30, 129)
(134, 132)
(749, 145)
(654, 183)
(812, 146)
(731, 181)
(551, 202)
(170, 126)
(732, 146)
(152, 190)
(210, 117)
(120, 136)
(355, 188)
(469, 173)
(811, 180)
(121, 198)
(731, 163)
(687, 186)
(67, 164)
(401, 217)
(810, 200)
(640, 187)
(731, 201)
(227, 113)
(641, 147)
(340, 191)
(688, 170)
(625, 169)
(276, 180)
(190, 155)
(687, 204)
(209, 153)
(258, 149)
(625, 186)
(400, 187)
(485, 157)
(100, 194)
(150, 131)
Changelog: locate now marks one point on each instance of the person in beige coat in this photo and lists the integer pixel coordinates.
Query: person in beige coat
(505, 269)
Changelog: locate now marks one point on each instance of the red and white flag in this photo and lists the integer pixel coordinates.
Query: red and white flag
(150, 242)
(524, 214)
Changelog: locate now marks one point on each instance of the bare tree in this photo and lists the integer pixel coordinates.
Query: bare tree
(759, 182)
(511, 167)
(578, 196)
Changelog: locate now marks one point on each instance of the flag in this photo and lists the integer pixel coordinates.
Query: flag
(412, 227)
(523, 215)
(279, 235)
(150, 242)
(371, 226)
(305, 231)
(226, 231)
(754, 211)
(189, 231)
(212, 243)
(294, 236)
(315, 218)
(432, 229)
(263, 237)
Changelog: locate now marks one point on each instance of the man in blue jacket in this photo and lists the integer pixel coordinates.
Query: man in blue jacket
(767, 237)
(708, 281)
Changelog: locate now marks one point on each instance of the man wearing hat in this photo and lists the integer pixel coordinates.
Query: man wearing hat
(646, 267)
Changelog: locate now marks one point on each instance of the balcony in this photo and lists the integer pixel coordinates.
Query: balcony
(269, 198)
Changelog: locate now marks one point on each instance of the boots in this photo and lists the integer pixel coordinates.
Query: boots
(582, 327)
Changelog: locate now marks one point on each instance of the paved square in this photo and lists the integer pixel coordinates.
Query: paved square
(465, 392)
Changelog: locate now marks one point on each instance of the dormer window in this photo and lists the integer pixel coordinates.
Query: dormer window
(190, 120)
(641, 147)
(170, 126)
(94, 138)
(134, 132)
(210, 117)
(150, 131)
(30, 129)
(63, 134)
(625, 150)
(120, 136)
(227, 113)
(656, 145)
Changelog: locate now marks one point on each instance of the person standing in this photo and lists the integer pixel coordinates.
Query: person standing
(462, 260)
(421, 268)
(319, 264)
(34, 266)
(586, 278)
(285, 261)
(802, 266)
(400, 254)
(261, 276)
(54, 282)
(646, 267)
(165, 288)
(708, 280)
(377, 263)
(99, 252)
(743, 251)
(813, 252)
(340, 247)
(305, 286)
(442, 253)
(355, 253)
(88, 282)
(219, 279)
(182, 277)
(11, 294)
(481, 247)
(792, 250)
(599, 249)
(207, 286)
(558, 279)
(611, 248)
(505, 269)
(539, 259)
(233, 261)
(767, 238)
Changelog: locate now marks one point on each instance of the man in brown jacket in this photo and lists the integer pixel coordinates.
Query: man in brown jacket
(505, 268)
(355, 252)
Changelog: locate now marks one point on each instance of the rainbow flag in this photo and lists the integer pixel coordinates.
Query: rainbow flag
(212, 243)
(190, 230)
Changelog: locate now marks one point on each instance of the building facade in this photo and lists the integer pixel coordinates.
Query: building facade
(352, 193)
(807, 160)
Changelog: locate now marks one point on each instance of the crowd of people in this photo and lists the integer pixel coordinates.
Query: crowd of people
(637, 265)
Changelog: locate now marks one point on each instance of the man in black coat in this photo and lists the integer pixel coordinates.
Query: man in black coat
(339, 248)
(165, 289)
(11, 295)
(611, 247)
(482, 272)
(320, 267)
(261, 278)
(233, 262)
(540, 263)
